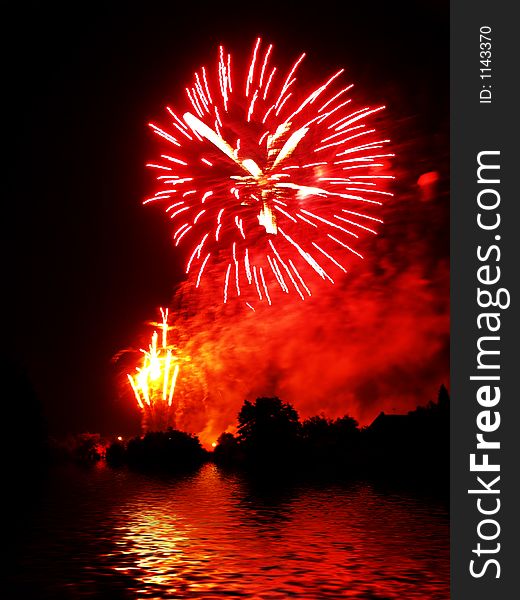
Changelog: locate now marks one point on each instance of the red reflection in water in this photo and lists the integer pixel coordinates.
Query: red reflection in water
(213, 536)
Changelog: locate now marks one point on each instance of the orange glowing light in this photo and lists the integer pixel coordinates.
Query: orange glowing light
(154, 381)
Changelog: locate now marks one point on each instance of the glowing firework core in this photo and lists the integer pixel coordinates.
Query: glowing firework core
(266, 216)
(154, 382)
(267, 181)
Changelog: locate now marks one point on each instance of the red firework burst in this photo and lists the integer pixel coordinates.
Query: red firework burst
(268, 184)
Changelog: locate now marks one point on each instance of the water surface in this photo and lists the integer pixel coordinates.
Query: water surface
(103, 533)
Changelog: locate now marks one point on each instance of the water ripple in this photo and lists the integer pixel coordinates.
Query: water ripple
(109, 534)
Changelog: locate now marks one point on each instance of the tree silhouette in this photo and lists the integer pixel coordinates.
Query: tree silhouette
(268, 429)
(443, 399)
(165, 450)
(116, 454)
(346, 428)
(227, 449)
(87, 447)
(328, 442)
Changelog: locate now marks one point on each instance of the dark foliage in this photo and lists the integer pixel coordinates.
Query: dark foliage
(328, 442)
(116, 454)
(268, 430)
(227, 450)
(412, 446)
(170, 450)
(83, 448)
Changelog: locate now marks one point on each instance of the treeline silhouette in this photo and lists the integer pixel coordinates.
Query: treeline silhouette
(271, 438)
(83, 448)
(270, 435)
(170, 450)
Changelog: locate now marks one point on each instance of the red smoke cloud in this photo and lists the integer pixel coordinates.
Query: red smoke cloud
(376, 340)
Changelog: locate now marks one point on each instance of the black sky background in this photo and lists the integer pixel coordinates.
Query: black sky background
(86, 264)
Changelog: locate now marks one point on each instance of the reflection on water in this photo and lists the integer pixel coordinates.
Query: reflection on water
(109, 534)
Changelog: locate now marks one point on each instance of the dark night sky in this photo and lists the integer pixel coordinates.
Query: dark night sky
(86, 263)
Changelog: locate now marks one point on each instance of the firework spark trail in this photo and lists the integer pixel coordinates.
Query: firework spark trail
(155, 382)
(254, 159)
